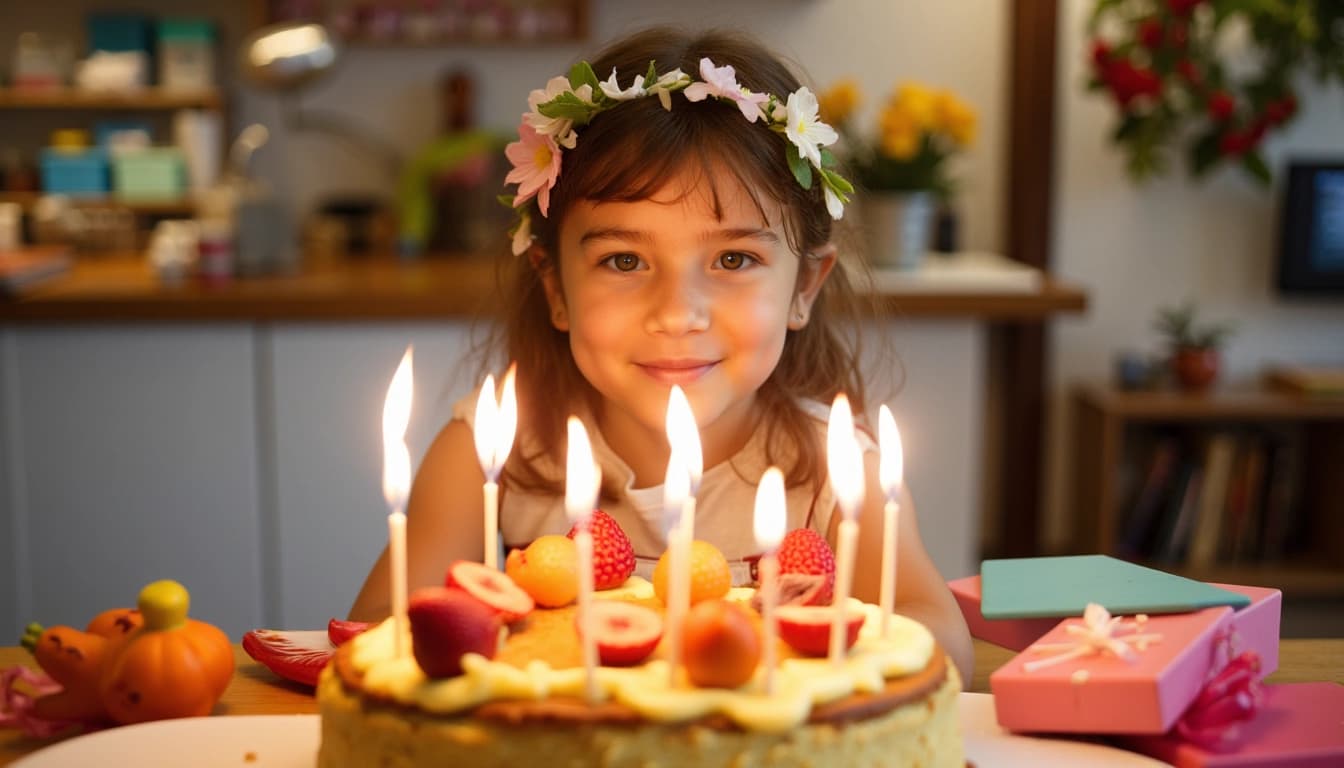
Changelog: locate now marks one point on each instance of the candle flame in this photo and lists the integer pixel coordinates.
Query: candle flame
(684, 436)
(396, 417)
(844, 458)
(582, 476)
(487, 413)
(891, 466)
(769, 522)
(496, 424)
(676, 487)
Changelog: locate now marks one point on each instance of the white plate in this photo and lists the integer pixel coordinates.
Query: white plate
(242, 741)
(989, 746)
(290, 741)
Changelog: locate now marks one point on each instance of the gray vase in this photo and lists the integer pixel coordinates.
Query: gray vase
(897, 227)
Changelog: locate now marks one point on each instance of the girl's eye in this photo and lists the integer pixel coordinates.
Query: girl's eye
(623, 262)
(736, 260)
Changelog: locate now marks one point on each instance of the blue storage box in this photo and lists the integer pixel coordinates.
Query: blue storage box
(78, 172)
(118, 32)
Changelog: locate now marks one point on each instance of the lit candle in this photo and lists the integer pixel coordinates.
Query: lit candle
(496, 424)
(844, 463)
(685, 464)
(396, 487)
(676, 487)
(582, 480)
(684, 437)
(768, 525)
(891, 470)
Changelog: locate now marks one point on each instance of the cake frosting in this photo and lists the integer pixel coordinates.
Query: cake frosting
(893, 692)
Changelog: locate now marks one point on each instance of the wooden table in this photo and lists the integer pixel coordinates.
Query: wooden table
(256, 691)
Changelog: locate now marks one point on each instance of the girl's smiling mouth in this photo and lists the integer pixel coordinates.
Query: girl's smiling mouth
(676, 371)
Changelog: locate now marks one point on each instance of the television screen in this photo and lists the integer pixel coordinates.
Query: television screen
(1311, 258)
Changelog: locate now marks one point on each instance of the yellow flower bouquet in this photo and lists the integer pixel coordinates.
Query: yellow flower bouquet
(918, 129)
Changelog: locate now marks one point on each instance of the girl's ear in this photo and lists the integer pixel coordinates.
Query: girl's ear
(811, 276)
(550, 281)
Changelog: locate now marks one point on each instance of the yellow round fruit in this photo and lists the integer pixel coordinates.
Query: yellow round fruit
(547, 570)
(710, 576)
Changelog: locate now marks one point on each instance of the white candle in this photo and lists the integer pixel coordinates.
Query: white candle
(685, 465)
(582, 480)
(844, 463)
(496, 425)
(676, 487)
(396, 487)
(891, 471)
(768, 525)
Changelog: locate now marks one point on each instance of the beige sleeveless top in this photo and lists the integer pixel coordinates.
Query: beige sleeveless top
(725, 502)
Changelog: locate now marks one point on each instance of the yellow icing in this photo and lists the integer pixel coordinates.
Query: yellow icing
(800, 684)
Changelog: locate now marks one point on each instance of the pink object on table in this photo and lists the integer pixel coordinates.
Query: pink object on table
(1014, 634)
(1102, 693)
(1298, 725)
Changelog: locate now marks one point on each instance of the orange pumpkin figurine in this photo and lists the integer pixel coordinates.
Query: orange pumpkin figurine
(173, 666)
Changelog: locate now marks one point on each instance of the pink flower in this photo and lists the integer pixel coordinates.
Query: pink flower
(721, 82)
(536, 165)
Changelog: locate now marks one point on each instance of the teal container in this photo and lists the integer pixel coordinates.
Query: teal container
(74, 172)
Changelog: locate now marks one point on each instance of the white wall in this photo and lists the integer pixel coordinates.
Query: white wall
(1136, 248)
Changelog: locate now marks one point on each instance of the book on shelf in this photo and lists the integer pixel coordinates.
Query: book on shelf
(1138, 528)
(24, 267)
(1245, 499)
(1212, 509)
(1282, 509)
(1180, 513)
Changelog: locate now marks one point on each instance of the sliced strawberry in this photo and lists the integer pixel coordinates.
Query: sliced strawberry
(807, 628)
(626, 633)
(293, 655)
(338, 631)
(799, 589)
(495, 590)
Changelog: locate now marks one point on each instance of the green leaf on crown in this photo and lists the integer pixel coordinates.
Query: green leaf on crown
(582, 74)
(568, 106)
(802, 170)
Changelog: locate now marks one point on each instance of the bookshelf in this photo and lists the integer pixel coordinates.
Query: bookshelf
(1240, 487)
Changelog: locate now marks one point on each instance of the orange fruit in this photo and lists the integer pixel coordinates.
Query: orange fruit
(548, 570)
(710, 575)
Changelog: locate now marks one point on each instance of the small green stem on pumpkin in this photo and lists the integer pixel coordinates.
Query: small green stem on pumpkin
(30, 635)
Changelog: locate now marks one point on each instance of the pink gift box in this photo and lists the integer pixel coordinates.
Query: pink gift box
(1298, 725)
(1102, 693)
(1014, 634)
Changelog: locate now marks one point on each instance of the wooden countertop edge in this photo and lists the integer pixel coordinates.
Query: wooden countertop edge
(125, 290)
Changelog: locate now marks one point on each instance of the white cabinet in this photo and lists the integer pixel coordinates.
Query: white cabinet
(130, 456)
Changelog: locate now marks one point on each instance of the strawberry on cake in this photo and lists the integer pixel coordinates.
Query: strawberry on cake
(493, 681)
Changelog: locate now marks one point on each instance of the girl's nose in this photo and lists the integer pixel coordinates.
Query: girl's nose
(678, 305)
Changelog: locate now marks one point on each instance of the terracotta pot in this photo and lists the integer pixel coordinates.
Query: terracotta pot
(1195, 369)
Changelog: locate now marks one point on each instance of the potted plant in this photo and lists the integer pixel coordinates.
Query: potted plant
(1194, 346)
(901, 169)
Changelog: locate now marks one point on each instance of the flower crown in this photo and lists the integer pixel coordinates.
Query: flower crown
(548, 128)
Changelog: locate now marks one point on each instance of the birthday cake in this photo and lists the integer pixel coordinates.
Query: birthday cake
(891, 700)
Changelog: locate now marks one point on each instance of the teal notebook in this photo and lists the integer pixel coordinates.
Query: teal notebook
(1041, 587)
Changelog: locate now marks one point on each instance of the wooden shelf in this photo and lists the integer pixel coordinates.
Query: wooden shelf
(149, 207)
(73, 98)
(1112, 444)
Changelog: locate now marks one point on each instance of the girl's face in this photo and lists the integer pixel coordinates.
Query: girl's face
(661, 292)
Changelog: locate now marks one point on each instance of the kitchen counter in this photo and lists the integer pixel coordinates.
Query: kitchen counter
(126, 289)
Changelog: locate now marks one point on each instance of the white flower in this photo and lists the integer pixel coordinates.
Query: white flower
(721, 83)
(613, 90)
(522, 236)
(834, 205)
(561, 129)
(666, 84)
(803, 128)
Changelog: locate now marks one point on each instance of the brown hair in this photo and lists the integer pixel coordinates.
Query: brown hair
(627, 154)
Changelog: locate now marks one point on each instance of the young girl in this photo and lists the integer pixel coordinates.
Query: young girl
(676, 224)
